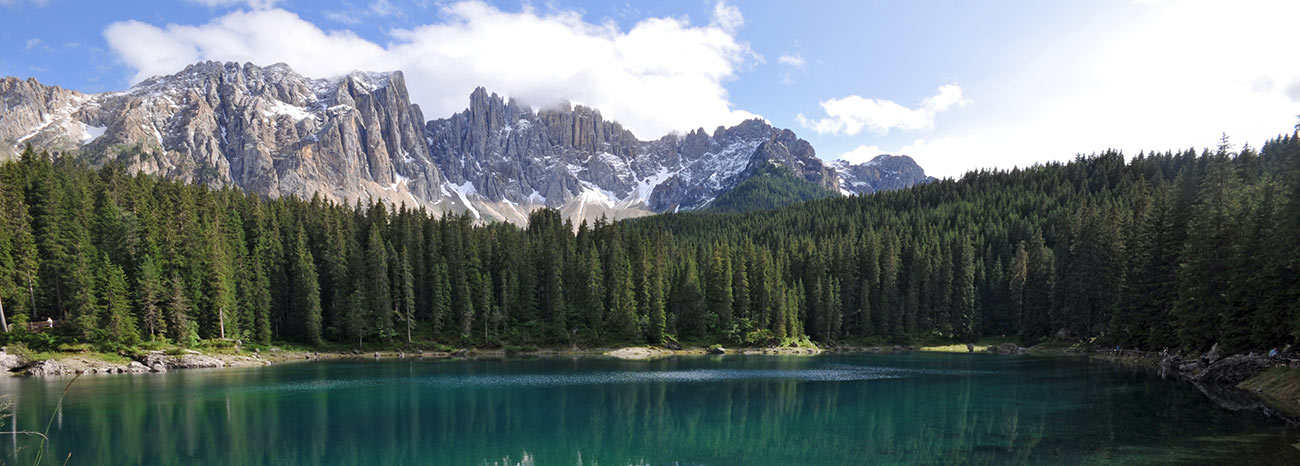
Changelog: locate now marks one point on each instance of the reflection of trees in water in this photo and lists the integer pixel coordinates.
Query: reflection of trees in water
(971, 419)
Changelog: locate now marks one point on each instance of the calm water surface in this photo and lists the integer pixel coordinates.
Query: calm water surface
(912, 408)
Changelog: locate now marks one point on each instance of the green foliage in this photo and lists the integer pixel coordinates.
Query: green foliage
(1175, 249)
(769, 187)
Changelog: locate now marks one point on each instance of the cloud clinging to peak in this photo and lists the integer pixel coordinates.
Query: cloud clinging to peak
(661, 75)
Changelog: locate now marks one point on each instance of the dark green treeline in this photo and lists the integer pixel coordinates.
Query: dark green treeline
(1171, 250)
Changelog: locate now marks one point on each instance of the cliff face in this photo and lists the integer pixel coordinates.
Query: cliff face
(883, 173)
(272, 131)
(571, 158)
(267, 130)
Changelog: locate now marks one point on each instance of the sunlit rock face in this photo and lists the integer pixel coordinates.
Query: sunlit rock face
(883, 173)
(267, 129)
(274, 132)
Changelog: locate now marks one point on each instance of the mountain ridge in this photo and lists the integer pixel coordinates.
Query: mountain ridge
(358, 137)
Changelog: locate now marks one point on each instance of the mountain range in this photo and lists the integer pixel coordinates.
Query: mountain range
(275, 132)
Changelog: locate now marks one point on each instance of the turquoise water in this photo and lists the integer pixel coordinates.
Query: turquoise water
(914, 408)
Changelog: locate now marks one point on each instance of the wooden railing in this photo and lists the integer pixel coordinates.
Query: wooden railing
(42, 325)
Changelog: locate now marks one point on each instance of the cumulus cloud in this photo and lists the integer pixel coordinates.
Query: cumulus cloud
(661, 75)
(850, 115)
(1179, 75)
(860, 154)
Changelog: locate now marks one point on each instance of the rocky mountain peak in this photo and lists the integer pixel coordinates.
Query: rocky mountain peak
(882, 173)
(273, 131)
(266, 129)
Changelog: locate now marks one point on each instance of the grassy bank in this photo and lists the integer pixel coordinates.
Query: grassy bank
(1279, 386)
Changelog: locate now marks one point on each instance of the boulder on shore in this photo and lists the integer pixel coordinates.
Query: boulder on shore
(1232, 370)
(9, 361)
(47, 367)
(638, 353)
(1007, 348)
(1213, 354)
(155, 360)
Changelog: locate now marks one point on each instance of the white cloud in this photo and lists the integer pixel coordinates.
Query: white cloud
(791, 59)
(31, 44)
(1171, 76)
(863, 153)
(383, 8)
(850, 115)
(663, 74)
(256, 4)
(727, 17)
(794, 63)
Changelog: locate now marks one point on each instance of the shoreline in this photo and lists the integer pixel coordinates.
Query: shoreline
(83, 363)
(1236, 382)
(68, 364)
(1248, 382)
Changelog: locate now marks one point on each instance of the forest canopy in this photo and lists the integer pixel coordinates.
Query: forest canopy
(1176, 249)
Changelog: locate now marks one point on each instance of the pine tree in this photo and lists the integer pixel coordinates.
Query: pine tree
(149, 294)
(378, 291)
(1039, 290)
(440, 296)
(622, 313)
(658, 318)
(594, 293)
(687, 301)
(219, 288)
(181, 329)
(305, 290)
(1202, 285)
(259, 291)
(407, 294)
(834, 309)
(1018, 280)
(116, 324)
(890, 301)
(740, 290)
(718, 289)
(964, 299)
(18, 261)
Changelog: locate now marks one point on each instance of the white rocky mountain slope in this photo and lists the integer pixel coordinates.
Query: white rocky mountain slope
(272, 131)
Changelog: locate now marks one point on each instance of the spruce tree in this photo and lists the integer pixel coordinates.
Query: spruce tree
(305, 291)
(116, 324)
(149, 294)
(378, 291)
(181, 329)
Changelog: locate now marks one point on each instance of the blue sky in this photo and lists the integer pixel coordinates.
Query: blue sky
(957, 84)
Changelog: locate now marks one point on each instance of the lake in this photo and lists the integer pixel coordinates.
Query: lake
(917, 408)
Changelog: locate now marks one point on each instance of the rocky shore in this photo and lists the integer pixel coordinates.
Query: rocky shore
(1236, 382)
(154, 361)
(158, 361)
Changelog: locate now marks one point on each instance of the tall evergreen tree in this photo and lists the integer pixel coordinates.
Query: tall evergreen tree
(305, 290)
